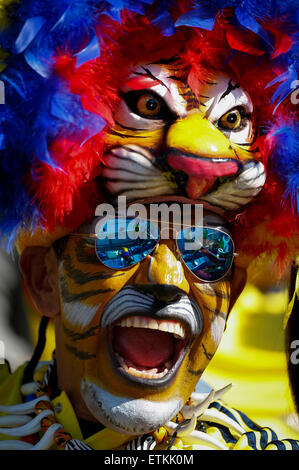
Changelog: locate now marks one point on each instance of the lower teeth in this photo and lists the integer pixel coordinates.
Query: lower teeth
(146, 374)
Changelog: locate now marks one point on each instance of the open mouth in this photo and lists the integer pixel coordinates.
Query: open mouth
(149, 339)
(148, 348)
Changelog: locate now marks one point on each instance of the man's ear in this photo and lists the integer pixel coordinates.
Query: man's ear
(39, 269)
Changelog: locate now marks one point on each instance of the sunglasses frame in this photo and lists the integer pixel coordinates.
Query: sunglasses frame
(93, 235)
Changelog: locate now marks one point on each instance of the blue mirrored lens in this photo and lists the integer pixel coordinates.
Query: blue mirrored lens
(207, 252)
(121, 243)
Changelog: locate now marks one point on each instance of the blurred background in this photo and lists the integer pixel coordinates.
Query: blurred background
(251, 355)
(14, 327)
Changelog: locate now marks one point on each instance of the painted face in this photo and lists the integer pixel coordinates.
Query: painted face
(171, 140)
(138, 339)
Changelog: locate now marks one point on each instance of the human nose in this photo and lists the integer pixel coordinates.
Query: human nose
(165, 269)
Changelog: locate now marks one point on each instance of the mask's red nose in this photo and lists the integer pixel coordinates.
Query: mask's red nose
(202, 171)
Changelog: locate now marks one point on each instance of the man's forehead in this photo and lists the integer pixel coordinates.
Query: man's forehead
(204, 216)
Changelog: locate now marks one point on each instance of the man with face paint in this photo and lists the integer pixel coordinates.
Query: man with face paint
(157, 104)
(149, 330)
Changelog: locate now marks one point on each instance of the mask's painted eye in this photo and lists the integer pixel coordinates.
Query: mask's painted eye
(148, 105)
(233, 120)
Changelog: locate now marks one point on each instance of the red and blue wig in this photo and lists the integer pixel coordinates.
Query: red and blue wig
(62, 64)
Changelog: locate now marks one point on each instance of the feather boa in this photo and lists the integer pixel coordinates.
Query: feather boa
(63, 62)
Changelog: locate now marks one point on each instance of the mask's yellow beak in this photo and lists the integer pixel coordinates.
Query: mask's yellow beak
(198, 136)
(197, 148)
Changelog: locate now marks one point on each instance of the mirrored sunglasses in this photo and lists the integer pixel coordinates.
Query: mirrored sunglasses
(121, 243)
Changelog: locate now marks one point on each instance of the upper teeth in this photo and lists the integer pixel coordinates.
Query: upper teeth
(169, 326)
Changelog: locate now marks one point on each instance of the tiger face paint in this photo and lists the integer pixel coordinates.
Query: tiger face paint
(139, 339)
(169, 139)
(136, 340)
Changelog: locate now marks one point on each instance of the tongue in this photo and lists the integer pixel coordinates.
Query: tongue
(142, 346)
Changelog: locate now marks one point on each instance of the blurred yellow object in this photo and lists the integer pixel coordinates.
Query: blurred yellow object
(3, 13)
(252, 356)
(3, 23)
(291, 303)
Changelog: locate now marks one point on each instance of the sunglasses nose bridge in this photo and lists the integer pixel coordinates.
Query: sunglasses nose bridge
(165, 268)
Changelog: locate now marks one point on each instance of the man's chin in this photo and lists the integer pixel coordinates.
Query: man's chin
(127, 415)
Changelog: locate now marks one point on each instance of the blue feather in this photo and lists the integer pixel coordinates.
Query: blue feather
(202, 15)
(257, 8)
(16, 83)
(41, 65)
(195, 20)
(165, 23)
(250, 23)
(118, 4)
(286, 81)
(90, 52)
(2, 140)
(28, 33)
(61, 108)
(285, 159)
